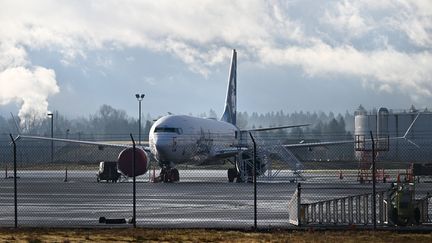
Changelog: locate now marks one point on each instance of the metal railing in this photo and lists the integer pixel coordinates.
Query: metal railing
(350, 210)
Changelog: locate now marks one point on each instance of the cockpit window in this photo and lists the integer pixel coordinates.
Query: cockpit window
(168, 129)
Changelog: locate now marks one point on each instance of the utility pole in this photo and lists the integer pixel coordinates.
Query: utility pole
(52, 136)
(139, 97)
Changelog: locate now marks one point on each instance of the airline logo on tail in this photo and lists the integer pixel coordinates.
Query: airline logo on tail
(230, 111)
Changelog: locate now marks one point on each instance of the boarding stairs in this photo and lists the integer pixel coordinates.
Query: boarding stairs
(267, 152)
(246, 164)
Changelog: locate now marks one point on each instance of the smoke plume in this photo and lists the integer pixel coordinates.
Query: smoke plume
(28, 86)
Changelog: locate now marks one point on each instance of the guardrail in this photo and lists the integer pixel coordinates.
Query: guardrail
(350, 210)
(347, 210)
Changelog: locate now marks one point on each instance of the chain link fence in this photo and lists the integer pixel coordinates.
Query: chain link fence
(328, 186)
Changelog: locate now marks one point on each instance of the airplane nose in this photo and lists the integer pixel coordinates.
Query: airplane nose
(163, 147)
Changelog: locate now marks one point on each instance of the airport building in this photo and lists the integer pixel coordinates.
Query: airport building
(387, 124)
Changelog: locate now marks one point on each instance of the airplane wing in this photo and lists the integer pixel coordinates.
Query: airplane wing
(364, 141)
(228, 152)
(317, 144)
(274, 128)
(100, 144)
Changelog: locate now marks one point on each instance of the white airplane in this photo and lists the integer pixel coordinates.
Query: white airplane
(176, 139)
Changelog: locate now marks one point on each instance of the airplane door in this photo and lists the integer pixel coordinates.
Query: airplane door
(174, 144)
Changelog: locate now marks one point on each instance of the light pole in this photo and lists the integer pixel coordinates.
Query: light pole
(52, 136)
(139, 97)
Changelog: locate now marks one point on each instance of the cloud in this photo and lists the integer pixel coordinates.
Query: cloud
(12, 56)
(410, 73)
(416, 22)
(347, 19)
(150, 80)
(201, 34)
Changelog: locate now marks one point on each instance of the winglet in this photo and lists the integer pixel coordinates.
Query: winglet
(412, 124)
(409, 129)
(230, 111)
(411, 142)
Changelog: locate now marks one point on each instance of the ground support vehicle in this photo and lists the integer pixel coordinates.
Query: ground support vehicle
(108, 172)
(403, 208)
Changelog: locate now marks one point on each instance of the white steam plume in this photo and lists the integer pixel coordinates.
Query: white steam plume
(24, 84)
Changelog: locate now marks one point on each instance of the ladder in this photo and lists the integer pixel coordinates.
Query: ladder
(267, 151)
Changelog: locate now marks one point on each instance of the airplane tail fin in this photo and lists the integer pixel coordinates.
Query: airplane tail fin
(230, 112)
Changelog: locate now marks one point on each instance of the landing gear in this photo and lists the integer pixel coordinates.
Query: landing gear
(232, 174)
(169, 175)
(174, 176)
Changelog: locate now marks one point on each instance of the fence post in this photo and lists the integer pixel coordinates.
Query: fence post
(254, 181)
(66, 175)
(299, 216)
(373, 182)
(134, 182)
(15, 181)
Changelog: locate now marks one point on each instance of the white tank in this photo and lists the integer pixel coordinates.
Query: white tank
(361, 123)
(361, 130)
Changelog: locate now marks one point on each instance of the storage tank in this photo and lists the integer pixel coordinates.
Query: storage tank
(382, 129)
(385, 123)
(361, 130)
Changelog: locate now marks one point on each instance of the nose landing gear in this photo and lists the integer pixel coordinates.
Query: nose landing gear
(168, 174)
(232, 174)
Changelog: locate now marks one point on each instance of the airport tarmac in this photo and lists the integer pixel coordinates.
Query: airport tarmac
(203, 198)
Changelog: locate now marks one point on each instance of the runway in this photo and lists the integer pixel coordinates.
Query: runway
(202, 199)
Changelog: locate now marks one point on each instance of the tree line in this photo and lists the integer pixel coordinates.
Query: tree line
(111, 123)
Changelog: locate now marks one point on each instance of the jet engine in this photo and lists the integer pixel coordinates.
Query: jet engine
(126, 158)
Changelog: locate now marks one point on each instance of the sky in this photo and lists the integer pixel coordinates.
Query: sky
(74, 56)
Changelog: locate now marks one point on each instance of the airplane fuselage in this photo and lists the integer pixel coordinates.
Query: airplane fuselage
(179, 138)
